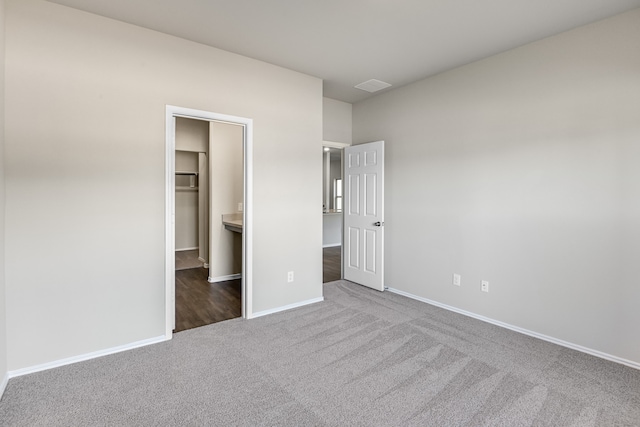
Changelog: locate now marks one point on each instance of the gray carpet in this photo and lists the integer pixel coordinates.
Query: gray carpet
(360, 358)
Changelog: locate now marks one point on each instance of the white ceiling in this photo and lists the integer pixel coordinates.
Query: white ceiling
(346, 42)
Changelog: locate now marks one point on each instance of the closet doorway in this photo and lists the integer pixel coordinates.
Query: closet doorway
(208, 226)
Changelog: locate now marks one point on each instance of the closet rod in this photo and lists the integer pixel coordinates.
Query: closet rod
(186, 173)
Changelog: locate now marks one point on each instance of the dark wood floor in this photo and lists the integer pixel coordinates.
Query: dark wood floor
(200, 303)
(187, 259)
(331, 264)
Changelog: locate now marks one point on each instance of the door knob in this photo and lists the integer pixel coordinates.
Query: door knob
(378, 224)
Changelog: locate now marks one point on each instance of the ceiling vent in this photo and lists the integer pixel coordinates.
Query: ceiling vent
(372, 85)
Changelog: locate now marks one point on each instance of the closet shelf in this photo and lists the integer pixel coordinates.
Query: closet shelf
(184, 188)
(186, 173)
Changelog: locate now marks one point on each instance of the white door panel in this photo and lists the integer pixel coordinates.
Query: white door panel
(364, 215)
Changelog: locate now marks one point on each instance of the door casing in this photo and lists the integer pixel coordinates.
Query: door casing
(247, 241)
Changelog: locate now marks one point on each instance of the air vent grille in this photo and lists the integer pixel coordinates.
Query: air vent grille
(372, 85)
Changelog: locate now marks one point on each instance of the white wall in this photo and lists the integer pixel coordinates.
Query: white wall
(3, 328)
(522, 169)
(81, 90)
(331, 230)
(226, 181)
(186, 220)
(336, 120)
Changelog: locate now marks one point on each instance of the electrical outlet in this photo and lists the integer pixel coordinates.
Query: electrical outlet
(239, 207)
(290, 276)
(485, 286)
(456, 279)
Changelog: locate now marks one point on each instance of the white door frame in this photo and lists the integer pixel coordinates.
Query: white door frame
(247, 239)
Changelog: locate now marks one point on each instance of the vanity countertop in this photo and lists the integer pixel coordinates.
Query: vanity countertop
(233, 222)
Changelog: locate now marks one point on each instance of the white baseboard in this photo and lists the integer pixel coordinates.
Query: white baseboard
(286, 307)
(186, 249)
(3, 384)
(331, 245)
(553, 340)
(224, 278)
(83, 357)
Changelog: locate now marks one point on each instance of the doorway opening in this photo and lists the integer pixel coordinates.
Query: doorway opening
(332, 208)
(218, 237)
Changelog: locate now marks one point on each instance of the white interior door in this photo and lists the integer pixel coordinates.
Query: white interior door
(363, 257)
